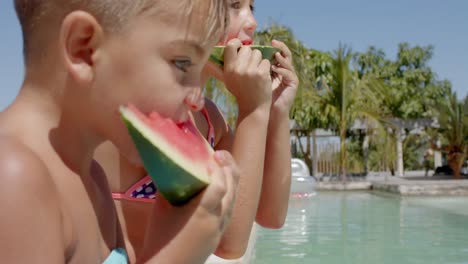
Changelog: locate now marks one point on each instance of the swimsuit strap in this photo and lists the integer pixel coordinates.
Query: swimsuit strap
(117, 256)
(142, 191)
(211, 133)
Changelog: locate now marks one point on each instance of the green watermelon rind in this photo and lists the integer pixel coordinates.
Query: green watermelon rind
(174, 182)
(268, 52)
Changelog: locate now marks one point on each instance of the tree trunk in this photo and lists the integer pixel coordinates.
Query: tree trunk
(308, 156)
(293, 146)
(455, 161)
(437, 155)
(400, 169)
(306, 152)
(343, 154)
(315, 154)
(365, 149)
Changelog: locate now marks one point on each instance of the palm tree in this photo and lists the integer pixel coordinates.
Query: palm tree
(453, 120)
(346, 98)
(302, 111)
(341, 87)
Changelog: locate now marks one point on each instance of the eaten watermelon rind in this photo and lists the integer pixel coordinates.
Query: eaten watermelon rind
(177, 178)
(268, 52)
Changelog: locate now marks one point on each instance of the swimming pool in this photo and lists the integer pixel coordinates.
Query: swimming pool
(339, 227)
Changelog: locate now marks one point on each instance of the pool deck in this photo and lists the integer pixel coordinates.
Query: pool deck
(339, 186)
(407, 187)
(412, 185)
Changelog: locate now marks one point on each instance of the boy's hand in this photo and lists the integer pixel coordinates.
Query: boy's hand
(285, 80)
(199, 224)
(247, 76)
(219, 197)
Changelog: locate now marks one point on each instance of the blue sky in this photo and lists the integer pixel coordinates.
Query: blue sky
(321, 25)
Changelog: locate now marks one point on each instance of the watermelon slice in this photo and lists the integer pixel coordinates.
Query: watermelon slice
(268, 52)
(176, 156)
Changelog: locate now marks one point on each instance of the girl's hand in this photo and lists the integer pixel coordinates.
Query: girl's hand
(247, 76)
(285, 80)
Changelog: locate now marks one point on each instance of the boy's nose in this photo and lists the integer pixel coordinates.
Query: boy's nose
(195, 100)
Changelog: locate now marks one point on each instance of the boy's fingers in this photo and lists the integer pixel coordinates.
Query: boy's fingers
(233, 175)
(231, 172)
(233, 184)
(216, 190)
(228, 165)
(223, 158)
(230, 197)
(227, 162)
(220, 157)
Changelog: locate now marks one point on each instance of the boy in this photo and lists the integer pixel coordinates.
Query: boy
(258, 145)
(84, 59)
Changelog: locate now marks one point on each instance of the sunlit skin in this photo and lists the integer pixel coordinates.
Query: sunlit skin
(260, 144)
(68, 105)
(261, 199)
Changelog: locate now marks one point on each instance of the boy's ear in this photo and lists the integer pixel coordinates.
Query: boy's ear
(80, 37)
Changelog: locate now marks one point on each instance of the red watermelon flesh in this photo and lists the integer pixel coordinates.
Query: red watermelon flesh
(176, 155)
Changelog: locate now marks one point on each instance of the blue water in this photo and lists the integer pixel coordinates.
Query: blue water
(368, 228)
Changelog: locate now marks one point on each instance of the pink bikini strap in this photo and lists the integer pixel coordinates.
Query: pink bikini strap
(211, 132)
(128, 194)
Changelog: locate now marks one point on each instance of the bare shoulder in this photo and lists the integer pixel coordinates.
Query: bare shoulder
(30, 205)
(20, 166)
(24, 177)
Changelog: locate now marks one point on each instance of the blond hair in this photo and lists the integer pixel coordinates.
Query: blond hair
(111, 14)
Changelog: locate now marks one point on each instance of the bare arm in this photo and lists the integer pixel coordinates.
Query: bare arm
(273, 206)
(264, 187)
(252, 88)
(248, 149)
(30, 225)
(274, 188)
(190, 233)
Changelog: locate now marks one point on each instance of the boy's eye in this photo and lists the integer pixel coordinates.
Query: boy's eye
(252, 8)
(183, 64)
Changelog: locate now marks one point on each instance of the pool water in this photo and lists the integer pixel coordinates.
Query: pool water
(368, 228)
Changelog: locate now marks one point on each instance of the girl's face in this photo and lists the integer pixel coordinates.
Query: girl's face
(242, 23)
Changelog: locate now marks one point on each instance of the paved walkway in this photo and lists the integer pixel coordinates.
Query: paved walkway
(428, 186)
(413, 184)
